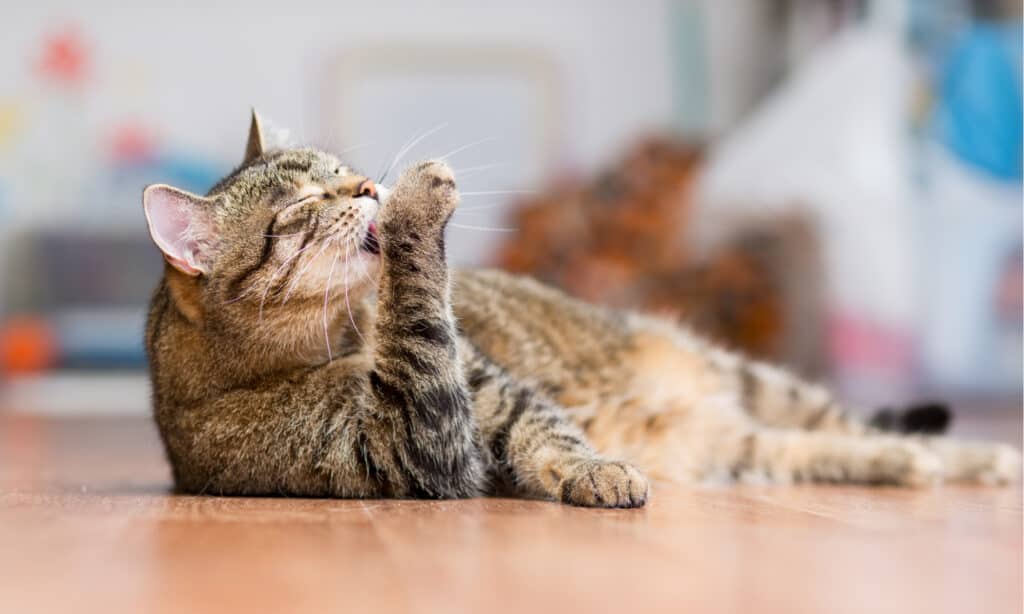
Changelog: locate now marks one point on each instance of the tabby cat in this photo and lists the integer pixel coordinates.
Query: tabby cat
(308, 339)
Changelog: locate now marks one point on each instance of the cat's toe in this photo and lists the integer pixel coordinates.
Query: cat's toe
(605, 484)
(440, 181)
(437, 171)
(424, 195)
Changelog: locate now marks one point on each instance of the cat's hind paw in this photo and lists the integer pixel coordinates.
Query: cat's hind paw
(991, 464)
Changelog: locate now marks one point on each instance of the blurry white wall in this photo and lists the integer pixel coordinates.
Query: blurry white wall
(194, 69)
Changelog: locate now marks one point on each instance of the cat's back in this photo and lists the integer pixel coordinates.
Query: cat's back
(536, 331)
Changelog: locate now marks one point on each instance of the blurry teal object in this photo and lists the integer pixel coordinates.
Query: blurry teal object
(979, 99)
(181, 171)
(690, 78)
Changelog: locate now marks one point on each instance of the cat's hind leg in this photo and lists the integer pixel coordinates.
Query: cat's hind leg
(674, 358)
(783, 455)
(776, 398)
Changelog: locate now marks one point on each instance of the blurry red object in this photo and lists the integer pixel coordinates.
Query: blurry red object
(65, 57)
(132, 143)
(27, 344)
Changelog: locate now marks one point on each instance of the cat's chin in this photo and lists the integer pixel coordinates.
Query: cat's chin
(361, 277)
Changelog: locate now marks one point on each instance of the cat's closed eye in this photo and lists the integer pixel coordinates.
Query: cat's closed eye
(305, 196)
(295, 211)
(305, 200)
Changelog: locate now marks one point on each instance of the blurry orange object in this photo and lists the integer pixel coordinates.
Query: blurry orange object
(27, 344)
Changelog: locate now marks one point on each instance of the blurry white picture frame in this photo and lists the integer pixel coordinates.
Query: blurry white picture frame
(499, 108)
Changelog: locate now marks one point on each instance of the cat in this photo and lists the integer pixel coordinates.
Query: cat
(308, 339)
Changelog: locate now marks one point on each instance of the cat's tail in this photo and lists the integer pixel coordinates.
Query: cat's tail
(922, 419)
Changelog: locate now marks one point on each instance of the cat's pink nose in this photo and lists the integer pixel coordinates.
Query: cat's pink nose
(367, 188)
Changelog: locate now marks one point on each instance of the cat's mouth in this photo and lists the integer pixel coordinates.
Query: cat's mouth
(371, 243)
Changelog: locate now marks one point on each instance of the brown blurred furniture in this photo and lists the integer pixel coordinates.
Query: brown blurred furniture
(626, 239)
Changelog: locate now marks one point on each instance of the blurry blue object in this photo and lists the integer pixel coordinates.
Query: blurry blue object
(979, 99)
(196, 176)
(970, 327)
(120, 194)
(105, 338)
(180, 171)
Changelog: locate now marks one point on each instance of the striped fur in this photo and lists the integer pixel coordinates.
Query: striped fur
(683, 409)
(304, 364)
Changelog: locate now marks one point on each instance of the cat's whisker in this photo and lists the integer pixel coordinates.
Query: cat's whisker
(474, 169)
(354, 147)
(363, 275)
(363, 272)
(461, 173)
(487, 228)
(270, 282)
(298, 277)
(473, 208)
(407, 148)
(327, 296)
(348, 305)
(465, 147)
(498, 192)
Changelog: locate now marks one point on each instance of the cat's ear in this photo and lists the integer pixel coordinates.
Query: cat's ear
(255, 147)
(182, 226)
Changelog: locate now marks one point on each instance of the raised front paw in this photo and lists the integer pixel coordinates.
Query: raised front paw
(424, 198)
(600, 483)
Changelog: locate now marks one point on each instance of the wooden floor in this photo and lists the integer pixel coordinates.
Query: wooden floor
(87, 525)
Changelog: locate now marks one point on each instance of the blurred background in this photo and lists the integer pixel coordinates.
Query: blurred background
(833, 184)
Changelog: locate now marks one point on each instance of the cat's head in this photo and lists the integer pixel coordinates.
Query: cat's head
(289, 227)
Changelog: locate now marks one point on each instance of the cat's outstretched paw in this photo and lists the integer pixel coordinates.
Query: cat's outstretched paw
(602, 483)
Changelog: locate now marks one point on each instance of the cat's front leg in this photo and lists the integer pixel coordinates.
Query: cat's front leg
(417, 380)
(535, 445)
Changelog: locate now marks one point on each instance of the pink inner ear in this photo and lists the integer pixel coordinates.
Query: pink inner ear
(170, 213)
